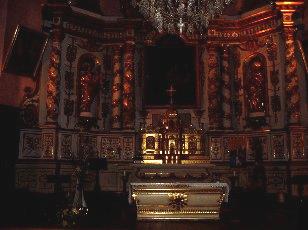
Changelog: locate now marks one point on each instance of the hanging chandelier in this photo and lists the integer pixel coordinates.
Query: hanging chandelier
(180, 16)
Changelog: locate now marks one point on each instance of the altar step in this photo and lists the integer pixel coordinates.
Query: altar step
(24, 211)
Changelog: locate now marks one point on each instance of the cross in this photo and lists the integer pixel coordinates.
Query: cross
(181, 25)
(171, 91)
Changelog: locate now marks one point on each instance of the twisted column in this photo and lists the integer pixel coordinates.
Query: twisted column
(214, 85)
(226, 88)
(116, 90)
(128, 87)
(52, 101)
(291, 78)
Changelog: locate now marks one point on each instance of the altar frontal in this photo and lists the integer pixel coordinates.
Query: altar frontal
(178, 201)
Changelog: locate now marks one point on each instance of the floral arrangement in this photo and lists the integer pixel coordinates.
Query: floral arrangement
(70, 217)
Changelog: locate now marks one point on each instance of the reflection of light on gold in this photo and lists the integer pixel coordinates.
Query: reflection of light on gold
(125, 103)
(158, 162)
(53, 71)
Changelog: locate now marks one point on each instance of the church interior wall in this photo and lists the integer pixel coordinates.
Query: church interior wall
(67, 137)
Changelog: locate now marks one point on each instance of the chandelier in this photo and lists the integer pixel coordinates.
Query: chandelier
(180, 16)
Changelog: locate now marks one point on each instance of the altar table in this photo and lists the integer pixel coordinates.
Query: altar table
(178, 200)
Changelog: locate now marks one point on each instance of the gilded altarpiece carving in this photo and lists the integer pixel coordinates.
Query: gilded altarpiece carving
(52, 101)
(48, 145)
(214, 89)
(225, 84)
(278, 145)
(116, 90)
(288, 9)
(216, 148)
(297, 146)
(255, 86)
(128, 87)
(226, 87)
(66, 143)
(264, 141)
(30, 145)
(89, 79)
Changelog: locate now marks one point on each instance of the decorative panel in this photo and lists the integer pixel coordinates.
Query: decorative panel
(26, 178)
(128, 148)
(233, 143)
(265, 141)
(65, 146)
(111, 147)
(34, 178)
(276, 179)
(30, 145)
(216, 148)
(117, 146)
(297, 146)
(88, 145)
(278, 147)
(48, 142)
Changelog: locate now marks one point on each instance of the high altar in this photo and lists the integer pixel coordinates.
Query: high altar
(241, 98)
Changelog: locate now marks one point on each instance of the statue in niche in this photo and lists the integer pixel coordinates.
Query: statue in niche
(256, 91)
(89, 72)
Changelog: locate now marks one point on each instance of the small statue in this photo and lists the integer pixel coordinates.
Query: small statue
(89, 87)
(256, 90)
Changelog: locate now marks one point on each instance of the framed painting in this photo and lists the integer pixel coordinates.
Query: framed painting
(25, 52)
(170, 62)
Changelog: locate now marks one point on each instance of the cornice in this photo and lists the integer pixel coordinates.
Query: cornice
(236, 30)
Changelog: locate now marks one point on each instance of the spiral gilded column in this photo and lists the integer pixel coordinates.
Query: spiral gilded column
(52, 100)
(116, 90)
(226, 88)
(213, 90)
(128, 87)
(291, 78)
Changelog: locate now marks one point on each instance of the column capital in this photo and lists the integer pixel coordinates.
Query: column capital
(291, 6)
(288, 8)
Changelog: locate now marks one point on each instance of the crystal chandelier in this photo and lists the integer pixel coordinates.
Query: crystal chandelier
(180, 16)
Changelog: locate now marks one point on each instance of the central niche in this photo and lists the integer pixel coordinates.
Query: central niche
(170, 62)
